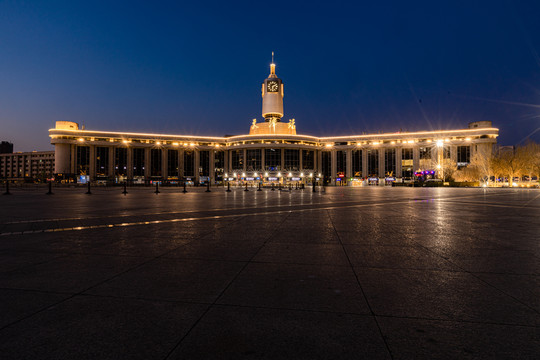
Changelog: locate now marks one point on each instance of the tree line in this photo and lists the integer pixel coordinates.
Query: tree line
(508, 165)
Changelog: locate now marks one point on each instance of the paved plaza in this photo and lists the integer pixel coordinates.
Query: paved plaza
(375, 273)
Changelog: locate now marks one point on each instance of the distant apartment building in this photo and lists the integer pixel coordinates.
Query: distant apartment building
(6, 147)
(27, 166)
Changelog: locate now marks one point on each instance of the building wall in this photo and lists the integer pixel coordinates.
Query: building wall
(37, 165)
(444, 142)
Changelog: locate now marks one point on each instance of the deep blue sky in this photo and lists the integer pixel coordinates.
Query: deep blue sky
(181, 67)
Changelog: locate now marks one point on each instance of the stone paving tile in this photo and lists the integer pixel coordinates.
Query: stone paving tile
(87, 327)
(173, 280)
(225, 249)
(291, 286)
(323, 254)
(491, 260)
(396, 257)
(440, 295)
(18, 304)
(427, 339)
(227, 332)
(70, 274)
(13, 260)
(525, 288)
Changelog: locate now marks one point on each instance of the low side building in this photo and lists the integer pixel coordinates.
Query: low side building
(27, 166)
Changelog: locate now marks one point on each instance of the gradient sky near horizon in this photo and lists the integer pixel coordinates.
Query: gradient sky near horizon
(197, 67)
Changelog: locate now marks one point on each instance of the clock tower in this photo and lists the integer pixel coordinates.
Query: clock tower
(272, 95)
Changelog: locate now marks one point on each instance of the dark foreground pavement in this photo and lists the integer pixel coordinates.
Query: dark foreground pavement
(374, 273)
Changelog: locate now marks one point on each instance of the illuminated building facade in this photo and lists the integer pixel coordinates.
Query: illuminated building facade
(272, 152)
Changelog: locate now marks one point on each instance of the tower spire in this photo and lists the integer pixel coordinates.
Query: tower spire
(272, 67)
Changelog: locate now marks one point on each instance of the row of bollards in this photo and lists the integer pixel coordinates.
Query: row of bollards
(259, 188)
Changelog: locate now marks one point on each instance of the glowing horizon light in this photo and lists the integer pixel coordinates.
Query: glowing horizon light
(440, 143)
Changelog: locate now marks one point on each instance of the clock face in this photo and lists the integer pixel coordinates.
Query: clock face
(272, 86)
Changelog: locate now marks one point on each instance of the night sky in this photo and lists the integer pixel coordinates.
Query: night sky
(186, 68)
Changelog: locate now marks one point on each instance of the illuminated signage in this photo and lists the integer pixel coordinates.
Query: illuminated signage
(272, 179)
(295, 179)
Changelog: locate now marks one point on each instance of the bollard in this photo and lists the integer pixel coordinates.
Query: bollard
(50, 189)
(208, 187)
(185, 191)
(7, 188)
(89, 192)
(228, 187)
(125, 189)
(314, 185)
(279, 186)
(290, 186)
(246, 188)
(273, 187)
(296, 186)
(157, 189)
(259, 189)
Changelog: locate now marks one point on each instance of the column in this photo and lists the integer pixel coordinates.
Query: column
(110, 172)
(73, 154)
(416, 158)
(333, 166)
(364, 163)
(92, 165)
(181, 164)
(212, 165)
(301, 165)
(226, 163)
(263, 167)
(164, 163)
(196, 164)
(245, 160)
(283, 161)
(453, 153)
(348, 166)
(398, 162)
(147, 165)
(381, 163)
(130, 163)
(319, 163)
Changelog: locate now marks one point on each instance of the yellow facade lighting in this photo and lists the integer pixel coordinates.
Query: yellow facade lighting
(175, 144)
(158, 143)
(468, 139)
(81, 139)
(440, 143)
(328, 145)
